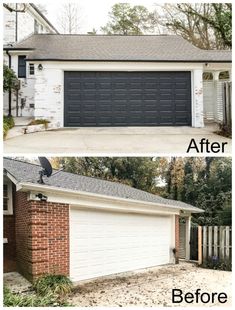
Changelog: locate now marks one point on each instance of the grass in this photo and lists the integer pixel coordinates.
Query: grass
(53, 284)
(49, 291)
(8, 123)
(20, 300)
(44, 122)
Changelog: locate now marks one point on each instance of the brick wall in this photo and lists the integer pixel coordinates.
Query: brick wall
(177, 238)
(42, 237)
(50, 238)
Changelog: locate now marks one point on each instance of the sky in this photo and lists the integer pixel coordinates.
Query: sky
(93, 14)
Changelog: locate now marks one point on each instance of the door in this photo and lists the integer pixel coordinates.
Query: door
(103, 243)
(127, 99)
(182, 236)
(194, 243)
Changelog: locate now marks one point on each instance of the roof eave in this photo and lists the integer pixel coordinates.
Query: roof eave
(130, 60)
(52, 189)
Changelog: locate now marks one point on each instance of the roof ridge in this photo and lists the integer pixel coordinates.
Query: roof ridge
(105, 35)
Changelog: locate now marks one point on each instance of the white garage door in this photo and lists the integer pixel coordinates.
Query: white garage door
(103, 243)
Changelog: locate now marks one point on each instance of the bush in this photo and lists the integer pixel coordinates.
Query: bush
(217, 264)
(53, 284)
(10, 81)
(19, 300)
(44, 122)
(8, 123)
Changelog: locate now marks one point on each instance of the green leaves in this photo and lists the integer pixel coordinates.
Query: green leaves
(129, 20)
(9, 79)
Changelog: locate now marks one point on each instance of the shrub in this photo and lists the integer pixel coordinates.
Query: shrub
(44, 122)
(10, 81)
(19, 300)
(8, 123)
(217, 264)
(9, 120)
(53, 284)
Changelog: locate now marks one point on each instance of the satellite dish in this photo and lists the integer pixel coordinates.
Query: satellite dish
(46, 169)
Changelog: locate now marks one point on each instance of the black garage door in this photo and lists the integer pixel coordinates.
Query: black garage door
(127, 99)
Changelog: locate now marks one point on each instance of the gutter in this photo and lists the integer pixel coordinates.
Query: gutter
(125, 60)
(52, 189)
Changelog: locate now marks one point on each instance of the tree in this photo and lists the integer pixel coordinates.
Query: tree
(204, 182)
(206, 25)
(139, 172)
(10, 81)
(130, 20)
(68, 18)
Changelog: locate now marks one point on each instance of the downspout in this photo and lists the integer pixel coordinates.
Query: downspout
(16, 24)
(9, 93)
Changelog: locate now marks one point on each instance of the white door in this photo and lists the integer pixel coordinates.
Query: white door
(103, 243)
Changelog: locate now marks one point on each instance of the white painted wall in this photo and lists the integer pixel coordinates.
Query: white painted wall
(49, 84)
(26, 92)
(25, 24)
(197, 98)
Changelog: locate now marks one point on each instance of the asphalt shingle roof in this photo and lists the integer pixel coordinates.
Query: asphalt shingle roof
(29, 173)
(118, 48)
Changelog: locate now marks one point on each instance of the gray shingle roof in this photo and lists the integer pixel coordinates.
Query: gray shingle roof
(118, 48)
(26, 172)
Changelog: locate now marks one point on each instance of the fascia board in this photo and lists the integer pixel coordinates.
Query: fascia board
(80, 198)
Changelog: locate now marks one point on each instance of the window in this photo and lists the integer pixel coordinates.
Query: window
(31, 69)
(21, 67)
(36, 27)
(7, 197)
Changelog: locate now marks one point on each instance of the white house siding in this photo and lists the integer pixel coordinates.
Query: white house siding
(49, 85)
(25, 94)
(8, 26)
(197, 102)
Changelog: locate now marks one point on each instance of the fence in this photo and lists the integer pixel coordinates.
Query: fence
(217, 101)
(214, 241)
(227, 104)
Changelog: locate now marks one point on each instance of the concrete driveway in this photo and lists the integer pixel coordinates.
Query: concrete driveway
(153, 287)
(118, 140)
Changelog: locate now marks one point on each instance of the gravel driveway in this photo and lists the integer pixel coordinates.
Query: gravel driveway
(152, 287)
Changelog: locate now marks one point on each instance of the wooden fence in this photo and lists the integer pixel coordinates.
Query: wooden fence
(227, 104)
(214, 241)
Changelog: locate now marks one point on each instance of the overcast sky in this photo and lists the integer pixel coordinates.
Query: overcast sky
(94, 14)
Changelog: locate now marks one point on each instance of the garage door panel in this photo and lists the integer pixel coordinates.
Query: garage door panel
(103, 243)
(134, 88)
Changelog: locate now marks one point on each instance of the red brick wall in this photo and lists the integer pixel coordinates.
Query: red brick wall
(177, 238)
(50, 238)
(42, 237)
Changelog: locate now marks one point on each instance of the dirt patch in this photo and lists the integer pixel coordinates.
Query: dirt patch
(152, 287)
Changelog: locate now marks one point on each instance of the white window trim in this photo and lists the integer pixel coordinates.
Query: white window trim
(9, 211)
